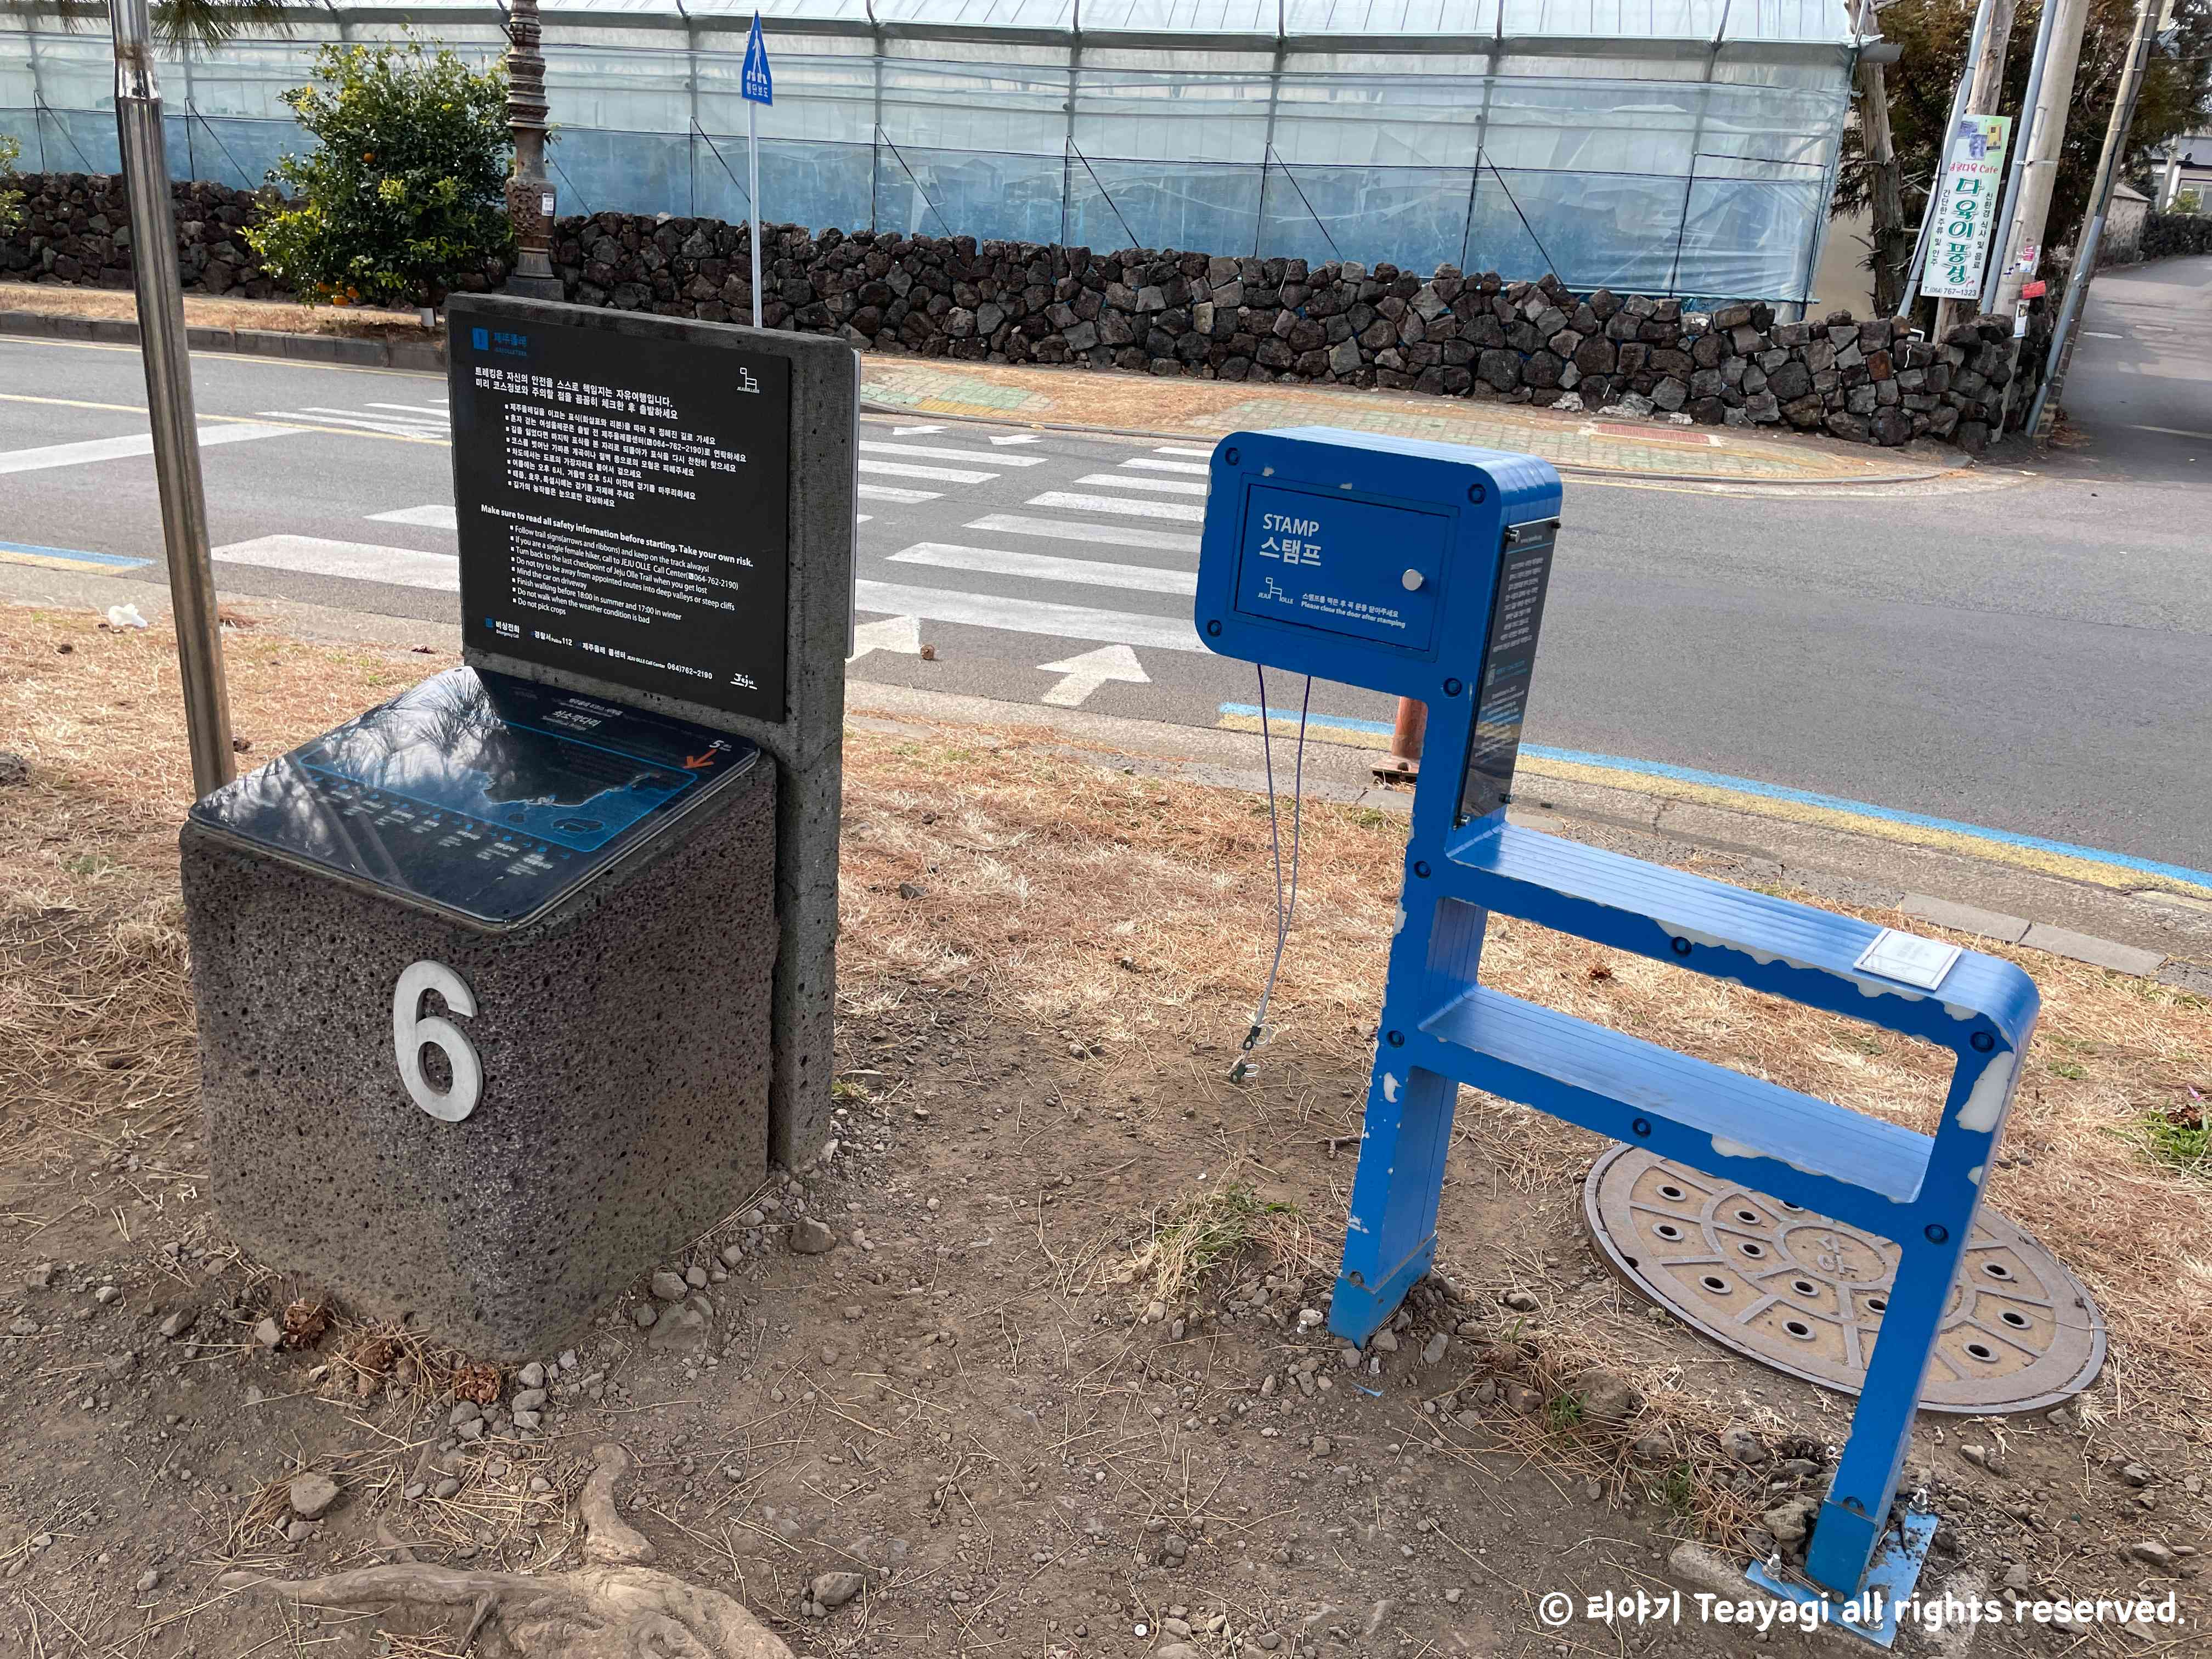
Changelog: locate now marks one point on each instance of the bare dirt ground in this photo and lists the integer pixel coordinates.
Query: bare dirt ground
(1055, 1390)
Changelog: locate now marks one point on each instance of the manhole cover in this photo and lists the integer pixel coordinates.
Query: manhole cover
(1805, 1295)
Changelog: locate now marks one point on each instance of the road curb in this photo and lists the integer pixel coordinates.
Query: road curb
(871, 406)
(1181, 752)
(357, 351)
(1161, 750)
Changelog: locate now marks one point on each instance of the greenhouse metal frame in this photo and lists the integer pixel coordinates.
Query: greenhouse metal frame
(1661, 147)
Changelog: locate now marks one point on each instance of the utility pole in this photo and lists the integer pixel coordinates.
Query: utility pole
(529, 194)
(1943, 150)
(1983, 98)
(167, 356)
(2036, 146)
(2100, 201)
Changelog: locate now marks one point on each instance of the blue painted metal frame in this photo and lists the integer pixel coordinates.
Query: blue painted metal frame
(1441, 1028)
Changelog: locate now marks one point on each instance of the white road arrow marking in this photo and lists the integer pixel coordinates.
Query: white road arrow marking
(1087, 673)
(900, 633)
(908, 431)
(1016, 438)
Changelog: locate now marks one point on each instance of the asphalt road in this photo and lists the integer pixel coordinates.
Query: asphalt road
(2033, 658)
(2139, 394)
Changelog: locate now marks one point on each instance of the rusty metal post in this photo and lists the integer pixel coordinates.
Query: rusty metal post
(1404, 765)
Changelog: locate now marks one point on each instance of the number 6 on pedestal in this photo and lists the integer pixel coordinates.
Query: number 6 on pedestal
(411, 1033)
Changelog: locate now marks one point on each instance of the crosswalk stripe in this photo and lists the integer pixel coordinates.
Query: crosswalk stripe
(943, 474)
(432, 517)
(995, 460)
(1181, 449)
(1044, 567)
(1198, 467)
(414, 421)
(401, 566)
(389, 426)
(1119, 535)
(432, 411)
(1070, 622)
(116, 449)
(1166, 486)
(1076, 502)
(892, 493)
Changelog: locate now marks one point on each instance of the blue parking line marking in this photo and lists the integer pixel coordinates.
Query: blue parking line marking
(1864, 809)
(114, 561)
(1780, 792)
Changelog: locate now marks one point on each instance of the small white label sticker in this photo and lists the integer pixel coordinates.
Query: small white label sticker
(1908, 958)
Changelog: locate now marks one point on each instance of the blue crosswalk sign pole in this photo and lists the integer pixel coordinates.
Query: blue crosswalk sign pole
(758, 86)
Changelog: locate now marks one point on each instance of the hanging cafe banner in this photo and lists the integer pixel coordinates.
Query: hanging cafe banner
(1966, 199)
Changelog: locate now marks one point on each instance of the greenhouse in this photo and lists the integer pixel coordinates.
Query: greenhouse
(1660, 147)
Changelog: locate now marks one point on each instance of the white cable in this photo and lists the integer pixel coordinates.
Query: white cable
(1285, 909)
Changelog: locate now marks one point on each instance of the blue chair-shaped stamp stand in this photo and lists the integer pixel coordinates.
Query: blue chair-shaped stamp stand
(1421, 570)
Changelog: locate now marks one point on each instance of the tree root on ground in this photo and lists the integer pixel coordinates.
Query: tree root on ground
(612, 1607)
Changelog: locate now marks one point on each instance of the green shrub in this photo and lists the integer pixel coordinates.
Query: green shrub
(405, 193)
(2167, 233)
(11, 200)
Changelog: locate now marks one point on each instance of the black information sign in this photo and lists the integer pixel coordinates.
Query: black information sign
(479, 793)
(624, 506)
(1516, 613)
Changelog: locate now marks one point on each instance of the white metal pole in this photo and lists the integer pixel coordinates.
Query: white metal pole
(1942, 154)
(753, 168)
(2036, 152)
(2023, 138)
(167, 356)
(2100, 203)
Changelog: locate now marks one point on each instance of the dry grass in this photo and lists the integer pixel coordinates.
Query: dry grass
(207, 310)
(1119, 909)
(100, 1055)
(1102, 909)
(1193, 1237)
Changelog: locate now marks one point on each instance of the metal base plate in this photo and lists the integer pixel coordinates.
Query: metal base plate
(1805, 1295)
(1890, 1577)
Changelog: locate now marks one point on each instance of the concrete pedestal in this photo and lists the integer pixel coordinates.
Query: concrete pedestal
(624, 1043)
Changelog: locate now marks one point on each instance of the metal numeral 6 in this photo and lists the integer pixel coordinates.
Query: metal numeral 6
(411, 1033)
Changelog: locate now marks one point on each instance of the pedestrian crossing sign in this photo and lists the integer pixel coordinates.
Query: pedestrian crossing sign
(755, 81)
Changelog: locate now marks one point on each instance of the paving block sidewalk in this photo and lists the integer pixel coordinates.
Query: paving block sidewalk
(1201, 409)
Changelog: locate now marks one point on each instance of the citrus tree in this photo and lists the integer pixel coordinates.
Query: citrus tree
(404, 191)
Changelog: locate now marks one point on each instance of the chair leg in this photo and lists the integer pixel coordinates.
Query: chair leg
(1856, 1510)
(1392, 1233)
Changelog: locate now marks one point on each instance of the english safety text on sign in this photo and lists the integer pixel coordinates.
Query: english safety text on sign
(622, 513)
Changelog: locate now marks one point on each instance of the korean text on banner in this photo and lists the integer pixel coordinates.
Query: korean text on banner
(1966, 199)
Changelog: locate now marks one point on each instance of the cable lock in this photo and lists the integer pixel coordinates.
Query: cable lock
(1285, 909)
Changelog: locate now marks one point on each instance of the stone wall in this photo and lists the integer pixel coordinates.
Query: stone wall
(1456, 334)
(77, 230)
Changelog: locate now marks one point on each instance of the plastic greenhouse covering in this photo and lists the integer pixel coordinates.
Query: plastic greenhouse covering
(1684, 146)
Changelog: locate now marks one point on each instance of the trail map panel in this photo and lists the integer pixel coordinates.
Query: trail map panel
(624, 507)
(479, 793)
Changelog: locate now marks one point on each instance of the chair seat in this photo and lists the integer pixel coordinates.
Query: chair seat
(1511, 1041)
